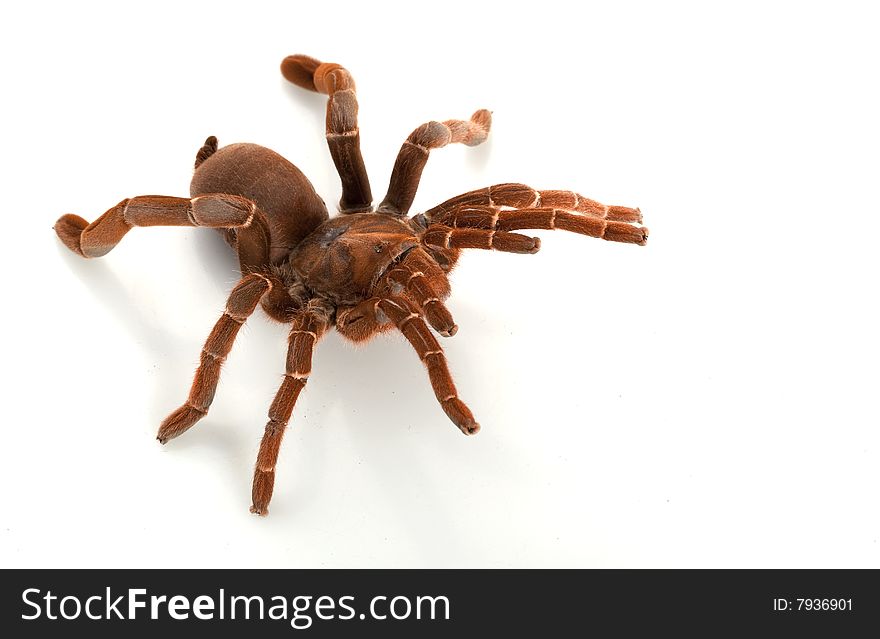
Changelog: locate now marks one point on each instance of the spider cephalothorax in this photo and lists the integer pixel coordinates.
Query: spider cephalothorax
(360, 272)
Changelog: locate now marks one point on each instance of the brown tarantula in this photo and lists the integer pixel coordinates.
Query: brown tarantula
(361, 272)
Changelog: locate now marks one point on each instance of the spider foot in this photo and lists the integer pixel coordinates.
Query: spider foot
(179, 422)
(440, 318)
(452, 330)
(264, 482)
(69, 229)
(618, 232)
(461, 415)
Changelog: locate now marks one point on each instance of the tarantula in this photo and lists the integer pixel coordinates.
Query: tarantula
(363, 271)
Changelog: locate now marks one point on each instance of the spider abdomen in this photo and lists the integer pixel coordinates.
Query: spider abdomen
(344, 257)
(280, 190)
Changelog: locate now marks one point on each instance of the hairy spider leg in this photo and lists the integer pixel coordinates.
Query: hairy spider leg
(343, 135)
(241, 304)
(308, 327)
(521, 196)
(493, 219)
(214, 210)
(408, 321)
(426, 284)
(363, 320)
(444, 237)
(414, 153)
(484, 218)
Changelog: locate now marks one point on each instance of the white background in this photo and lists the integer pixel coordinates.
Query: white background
(707, 400)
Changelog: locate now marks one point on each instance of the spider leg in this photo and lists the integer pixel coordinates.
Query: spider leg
(215, 210)
(444, 237)
(241, 303)
(506, 207)
(493, 219)
(307, 329)
(426, 284)
(343, 136)
(520, 196)
(413, 327)
(414, 153)
(418, 278)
